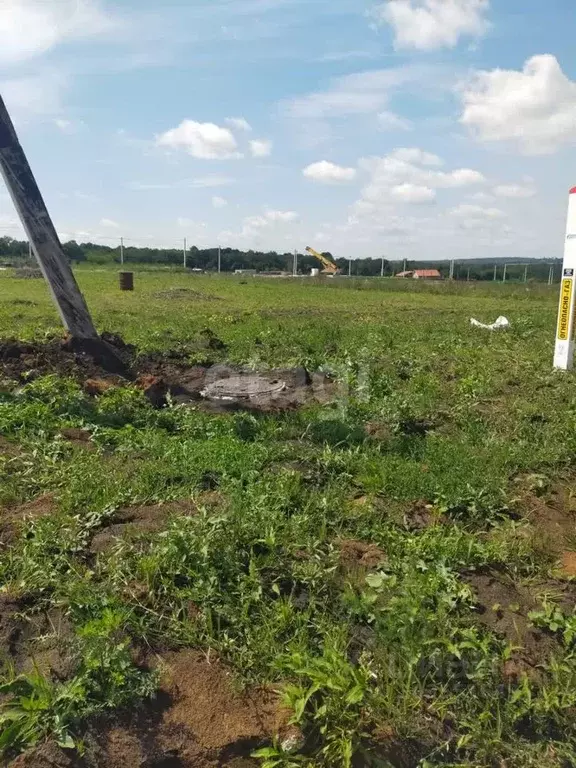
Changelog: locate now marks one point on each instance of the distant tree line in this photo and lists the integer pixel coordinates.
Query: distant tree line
(15, 252)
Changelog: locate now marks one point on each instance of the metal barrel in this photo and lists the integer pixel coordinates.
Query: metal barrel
(126, 281)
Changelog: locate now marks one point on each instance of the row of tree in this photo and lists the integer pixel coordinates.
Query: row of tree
(15, 252)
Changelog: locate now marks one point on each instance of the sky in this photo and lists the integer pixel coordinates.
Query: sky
(400, 128)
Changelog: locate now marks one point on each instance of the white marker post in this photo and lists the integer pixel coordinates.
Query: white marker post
(564, 352)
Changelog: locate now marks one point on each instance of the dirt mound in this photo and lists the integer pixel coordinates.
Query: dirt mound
(422, 516)
(197, 720)
(360, 555)
(136, 521)
(503, 607)
(48, 755)
(12, 518)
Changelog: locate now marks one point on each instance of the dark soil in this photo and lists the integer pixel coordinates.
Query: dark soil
(503, 607)
(159, 374)
(136, 521)
(360, 555)
(38, 639)
(422, 516)
(12, 518)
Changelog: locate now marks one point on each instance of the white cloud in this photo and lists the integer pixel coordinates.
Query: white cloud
(191, 225)
(356, 94)
(388, 121)
(407, 175)
(535, 109)
(415, 155)
(412, 193)
(284, 217)
(219, 202)
(201, 182)
(475, 216)
(205, 141)
(33, 96)
(256, 226)
(514, 191)
(239, 123)
(261, 148)
(431, 24)
(328, 173)
(109, 223)
(29, 28)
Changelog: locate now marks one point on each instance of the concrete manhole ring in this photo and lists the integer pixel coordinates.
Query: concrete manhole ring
(242, 387)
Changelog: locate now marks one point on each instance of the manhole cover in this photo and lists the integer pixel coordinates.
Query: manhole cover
(242, 387)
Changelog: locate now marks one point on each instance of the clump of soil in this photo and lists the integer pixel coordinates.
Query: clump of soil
(360, 555)
(48, 755)
(136, 521)
(422, 516)
(503, 607)
(12, 518)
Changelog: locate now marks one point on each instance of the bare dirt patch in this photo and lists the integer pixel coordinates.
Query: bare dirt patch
(137, 521)
(12, 518)
(197, 720)
(38, 639)
(503, 607)
(360, 555)
(161, 374)
(422, 516)
(552, 516)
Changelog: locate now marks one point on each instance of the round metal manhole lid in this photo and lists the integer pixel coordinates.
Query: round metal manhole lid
(243, 387)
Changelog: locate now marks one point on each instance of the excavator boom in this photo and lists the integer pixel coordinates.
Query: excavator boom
(329, 266)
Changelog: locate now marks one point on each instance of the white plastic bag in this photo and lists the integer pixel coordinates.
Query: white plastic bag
(501, 324)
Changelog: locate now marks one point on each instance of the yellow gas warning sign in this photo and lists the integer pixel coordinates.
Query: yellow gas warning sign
(564, 316)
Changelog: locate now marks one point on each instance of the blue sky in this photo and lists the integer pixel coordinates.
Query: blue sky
(405, 128)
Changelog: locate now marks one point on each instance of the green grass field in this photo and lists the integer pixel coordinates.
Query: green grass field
(396, 564)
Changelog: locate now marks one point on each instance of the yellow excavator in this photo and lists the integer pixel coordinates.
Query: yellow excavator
(329, 267)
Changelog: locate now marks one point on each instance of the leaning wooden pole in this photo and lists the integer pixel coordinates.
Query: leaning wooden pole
(41, 232)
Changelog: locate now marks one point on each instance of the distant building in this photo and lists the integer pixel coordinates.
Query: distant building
(421, 274)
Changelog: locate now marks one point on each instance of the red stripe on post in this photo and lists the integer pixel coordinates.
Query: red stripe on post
(573, 191)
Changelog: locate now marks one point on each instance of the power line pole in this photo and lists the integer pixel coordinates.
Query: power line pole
(295, 264)
(121, 250)
(382, 268)
(551, 275)
(185, 253)
(452, 270)
(468, 275)
(504, 275)
(219, 259)
(495, 272)
(526, 274)
(350, 266)
(42, 234)
(404, 267)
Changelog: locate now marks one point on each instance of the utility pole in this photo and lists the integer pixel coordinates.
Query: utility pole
(551, 275)
(404, 267)
(452, 270)
(295, 264)
(30, 250)
(495, 272)
(219, 259)
(382, 268)
(350, 267)
(468, 275)
(42, 235)
(504, 275)
(121, 250)
(185, 253)
(526, 274)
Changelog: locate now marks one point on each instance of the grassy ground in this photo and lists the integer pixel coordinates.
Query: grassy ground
(398, 563)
